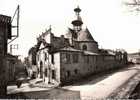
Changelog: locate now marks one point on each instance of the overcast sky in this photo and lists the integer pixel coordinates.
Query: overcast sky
(110, 24)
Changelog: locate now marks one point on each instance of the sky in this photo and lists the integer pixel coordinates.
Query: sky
(110, 22)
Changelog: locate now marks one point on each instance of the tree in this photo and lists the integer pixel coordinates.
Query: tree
(134, 5)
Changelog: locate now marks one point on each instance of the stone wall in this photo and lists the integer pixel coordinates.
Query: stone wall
(86, 65)
(72, 70)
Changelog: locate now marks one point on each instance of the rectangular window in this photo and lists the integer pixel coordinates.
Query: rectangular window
(52, 58)
(75, 58)
(46, 72)
(45, 54)
(63, 57)
(68, 74)
(53, 74)
(67, 58)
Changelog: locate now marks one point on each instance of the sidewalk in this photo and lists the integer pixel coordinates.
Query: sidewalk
(126, 90)
(41, 91)
(32, 85)
(52, 94)
(120, 83)
(103, 89)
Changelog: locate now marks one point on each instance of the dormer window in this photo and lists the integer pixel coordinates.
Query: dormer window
(84, 47)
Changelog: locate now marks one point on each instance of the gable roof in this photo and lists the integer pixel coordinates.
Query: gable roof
(85, 35)
(40, 42)
(71, 33)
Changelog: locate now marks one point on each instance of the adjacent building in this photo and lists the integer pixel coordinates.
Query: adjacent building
(5, 34)
(7, 61)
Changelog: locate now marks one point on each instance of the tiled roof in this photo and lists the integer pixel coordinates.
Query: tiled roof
(70, 49)
(111, 52)
(107, 52)
(77, 50)
(85, 35)
(90, 53)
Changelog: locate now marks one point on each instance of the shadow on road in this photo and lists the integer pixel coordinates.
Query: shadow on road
(136, 93)
(95, 78)
(56, 93)
(59, 93)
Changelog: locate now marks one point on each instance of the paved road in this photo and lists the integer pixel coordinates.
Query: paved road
(95, 89)
(92, 88)
(55, 93)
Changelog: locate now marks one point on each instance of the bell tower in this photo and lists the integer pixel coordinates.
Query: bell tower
(77, 23)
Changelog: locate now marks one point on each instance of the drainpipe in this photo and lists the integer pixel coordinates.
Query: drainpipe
(44, 67)
(49, 80)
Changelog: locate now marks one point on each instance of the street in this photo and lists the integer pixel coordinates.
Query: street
(103, 88)
(90, 88)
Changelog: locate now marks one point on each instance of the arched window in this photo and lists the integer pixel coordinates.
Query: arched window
(84, 47)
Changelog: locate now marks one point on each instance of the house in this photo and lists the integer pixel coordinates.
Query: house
(5, 34)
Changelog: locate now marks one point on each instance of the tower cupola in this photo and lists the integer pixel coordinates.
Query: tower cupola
(77, 23)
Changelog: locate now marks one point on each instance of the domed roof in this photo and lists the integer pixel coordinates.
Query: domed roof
(78, 20)
(85, 35)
